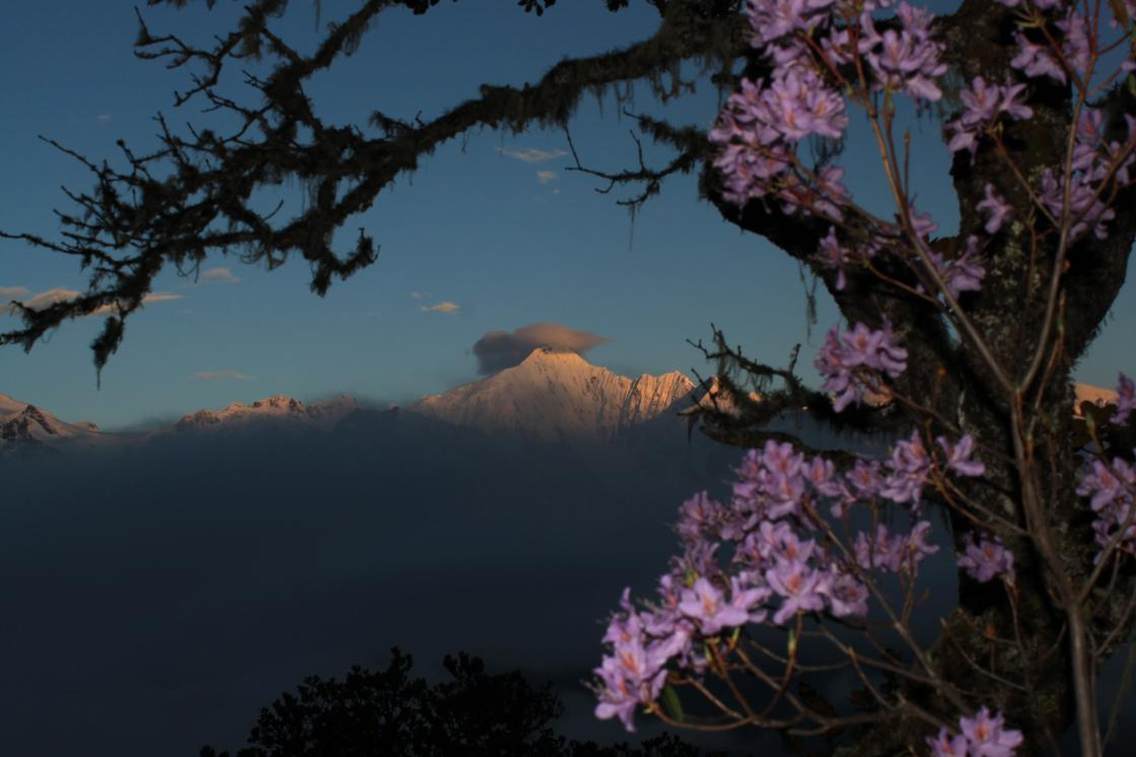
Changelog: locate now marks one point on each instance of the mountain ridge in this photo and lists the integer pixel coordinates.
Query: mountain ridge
(557, 396)
(22, 423)
(549, 396)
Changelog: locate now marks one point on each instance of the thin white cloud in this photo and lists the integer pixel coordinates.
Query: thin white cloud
(442, 307)
(224, 375)
(532, 154)
(148, 299)
(416, 295)
(7, 294)
(219, 275)
(546, 176)
(49, 297)
(161, 297)
(103, 118)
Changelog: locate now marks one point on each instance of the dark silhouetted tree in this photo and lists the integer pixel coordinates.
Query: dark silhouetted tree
(471, 714)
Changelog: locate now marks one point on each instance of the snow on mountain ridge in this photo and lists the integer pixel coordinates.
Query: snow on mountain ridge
(555, 395)
(23, 425)
(275, 407)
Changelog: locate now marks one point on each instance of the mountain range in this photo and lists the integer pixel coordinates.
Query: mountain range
(551, 396)
(25, 427)
(278, 407)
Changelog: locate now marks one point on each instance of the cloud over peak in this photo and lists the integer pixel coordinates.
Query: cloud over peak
(498, 350)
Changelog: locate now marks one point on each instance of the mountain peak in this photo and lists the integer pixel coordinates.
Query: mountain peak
(279, 402)
(22, 424)
(553, 356)
(557, 395)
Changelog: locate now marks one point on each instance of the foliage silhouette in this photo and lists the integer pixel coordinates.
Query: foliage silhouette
(389, 712)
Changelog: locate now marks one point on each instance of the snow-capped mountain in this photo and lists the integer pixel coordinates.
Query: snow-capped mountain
(555, 396)
(25, 427)
(278, 407)
(550, 396)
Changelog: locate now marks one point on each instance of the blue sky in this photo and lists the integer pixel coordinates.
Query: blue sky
(508, 241)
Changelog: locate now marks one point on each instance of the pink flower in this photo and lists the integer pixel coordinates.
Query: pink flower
(833, 255)
(910, 465)
(987, 735)
(998, 208)
(958, 456)
(846, 595)
(947, 745)
(844, 357)
(983, 735)
(707, 606)
(1125, 400)
(983, 103)
(1036, 60)
(798, 585)
(964, 273)
(986, 558)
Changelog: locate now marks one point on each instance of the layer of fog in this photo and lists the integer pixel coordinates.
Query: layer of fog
(157, 596)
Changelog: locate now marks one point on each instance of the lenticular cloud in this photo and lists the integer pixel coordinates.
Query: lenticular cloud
(498, 350)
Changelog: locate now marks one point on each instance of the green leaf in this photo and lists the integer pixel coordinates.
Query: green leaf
(672, 704)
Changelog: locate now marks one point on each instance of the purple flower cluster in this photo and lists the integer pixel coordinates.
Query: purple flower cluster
(822, 197)
(1112, 488)
(959, 456)
(908, 468)
(1035, 60)
(850, 362)
(1076, 46)
(758, 129)
(984, 103)
(986, 558)
(1125, 400)
(777, 567)
(984, 735)
(760, 126)
(774, 20)
(835, 255)
(634, 673)
(898, 553)
(964, 273)
(1092, 161)
(906, 60)
(996, 206)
